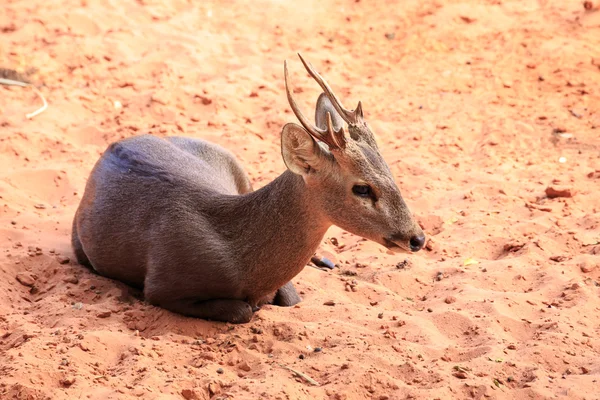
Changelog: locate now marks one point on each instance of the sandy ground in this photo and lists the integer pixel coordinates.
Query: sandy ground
(478, 106)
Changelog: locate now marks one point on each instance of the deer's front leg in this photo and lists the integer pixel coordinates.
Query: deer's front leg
(286, 296)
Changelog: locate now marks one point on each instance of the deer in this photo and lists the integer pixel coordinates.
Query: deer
(177, 217)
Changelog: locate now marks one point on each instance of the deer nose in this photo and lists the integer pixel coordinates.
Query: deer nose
(417, 243)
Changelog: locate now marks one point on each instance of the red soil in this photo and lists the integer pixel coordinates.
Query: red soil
(473, 103)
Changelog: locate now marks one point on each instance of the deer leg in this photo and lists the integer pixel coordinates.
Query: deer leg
(287, 296)
(225, 310)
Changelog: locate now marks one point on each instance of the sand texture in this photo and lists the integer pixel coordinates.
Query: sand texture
(488, 113)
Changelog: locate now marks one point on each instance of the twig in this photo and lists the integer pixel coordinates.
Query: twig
(301, 375)
(11, 82)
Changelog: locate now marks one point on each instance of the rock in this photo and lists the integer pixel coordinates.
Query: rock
(244, 366)
(450, 300)
(63, 259)
(430, 245)
(512, 347)
(190, 394)
(26, 278)
(220, 371)
(587, 267)
(460, 375)
(71, 279)
(323, 262)
(559, 258)
(104, 314)
(214, 388)
(329, 303)
(67, 381)
(204, 100)
(559, 191)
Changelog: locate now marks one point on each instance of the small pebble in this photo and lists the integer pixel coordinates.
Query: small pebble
(71, 279)
(559, 191)
(220, 371)
(318, 349)
(63, 260)
(301, 356)
(586, 268)
(460, 375)
(67, 381)
(450, 300)
(244, 366)
(26, 279)
(329, 303)
(189, 394)
(322, 262)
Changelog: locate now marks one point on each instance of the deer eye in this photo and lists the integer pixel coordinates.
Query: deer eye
(363, 191)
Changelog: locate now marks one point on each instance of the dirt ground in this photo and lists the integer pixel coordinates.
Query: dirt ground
(486, 111)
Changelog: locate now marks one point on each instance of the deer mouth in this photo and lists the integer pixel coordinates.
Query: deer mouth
(395, 247)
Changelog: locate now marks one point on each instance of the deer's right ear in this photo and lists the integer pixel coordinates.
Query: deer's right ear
(301, 153)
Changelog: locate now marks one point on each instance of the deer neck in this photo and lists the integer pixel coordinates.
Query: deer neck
(274, 231)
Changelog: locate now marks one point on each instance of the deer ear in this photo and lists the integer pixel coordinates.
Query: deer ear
(301, 153)
(323, 107)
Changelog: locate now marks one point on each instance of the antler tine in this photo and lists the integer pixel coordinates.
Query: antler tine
(339, 136)
(327, 136)
(348, 116)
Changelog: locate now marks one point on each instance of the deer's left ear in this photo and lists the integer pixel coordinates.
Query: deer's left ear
(301, 153)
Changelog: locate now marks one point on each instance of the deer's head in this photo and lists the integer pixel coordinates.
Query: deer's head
(350, 183)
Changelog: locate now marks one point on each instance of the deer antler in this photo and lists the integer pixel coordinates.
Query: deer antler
(334, 139)
(351, 117)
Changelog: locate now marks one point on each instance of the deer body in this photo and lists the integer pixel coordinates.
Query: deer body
(178, 216)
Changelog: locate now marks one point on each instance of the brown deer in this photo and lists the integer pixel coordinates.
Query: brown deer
(178, 216)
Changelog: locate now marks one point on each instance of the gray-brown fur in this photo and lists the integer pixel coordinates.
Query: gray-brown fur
(178, 217)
